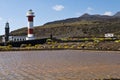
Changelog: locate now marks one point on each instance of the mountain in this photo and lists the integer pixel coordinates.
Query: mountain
(94, 17)
(85, 16)
(117, 14)
(84, 26)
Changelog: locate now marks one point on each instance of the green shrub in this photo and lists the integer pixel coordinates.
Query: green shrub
(117, 41)
(29, 45)
(9, 46)
(23, 45)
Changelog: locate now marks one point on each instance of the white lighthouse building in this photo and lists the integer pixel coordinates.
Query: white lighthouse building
(30, 15)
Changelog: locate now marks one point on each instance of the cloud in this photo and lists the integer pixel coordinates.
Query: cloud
(58, 7)
(1, 18)
(89, 9)
(108, 13)
(78, 14)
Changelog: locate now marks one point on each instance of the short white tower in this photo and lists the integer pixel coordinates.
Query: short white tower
(30, 15)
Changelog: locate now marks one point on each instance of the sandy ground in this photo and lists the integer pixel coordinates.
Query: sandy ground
(59, 65)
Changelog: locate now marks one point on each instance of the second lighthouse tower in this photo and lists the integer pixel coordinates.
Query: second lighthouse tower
(30, 15)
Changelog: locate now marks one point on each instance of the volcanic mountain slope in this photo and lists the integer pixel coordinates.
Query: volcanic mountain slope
(117, 14)
(85, 26)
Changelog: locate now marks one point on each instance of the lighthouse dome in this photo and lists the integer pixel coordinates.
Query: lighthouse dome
(30, 13)
(7, 25)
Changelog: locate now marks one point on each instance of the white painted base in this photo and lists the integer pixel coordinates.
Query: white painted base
(30, 38)
(30, 35)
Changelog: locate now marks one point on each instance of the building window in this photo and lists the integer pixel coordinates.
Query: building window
(14, 40)
(17, 39)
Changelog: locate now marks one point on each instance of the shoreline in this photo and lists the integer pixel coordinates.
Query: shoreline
(82, 50)
(94, 46)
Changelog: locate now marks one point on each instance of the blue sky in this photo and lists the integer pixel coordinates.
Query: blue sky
(14, 11)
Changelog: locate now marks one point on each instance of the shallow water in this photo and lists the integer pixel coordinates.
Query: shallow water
(59, 65)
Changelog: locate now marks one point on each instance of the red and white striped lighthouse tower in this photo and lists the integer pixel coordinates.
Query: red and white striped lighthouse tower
(30, 15)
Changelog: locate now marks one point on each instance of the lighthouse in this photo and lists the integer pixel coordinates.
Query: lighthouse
(30, 16)
(7, 32)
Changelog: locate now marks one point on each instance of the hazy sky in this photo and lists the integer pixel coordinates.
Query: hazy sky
(14, 11)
